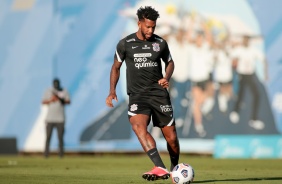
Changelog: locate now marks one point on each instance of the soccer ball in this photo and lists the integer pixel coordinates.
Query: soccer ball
(182, 174)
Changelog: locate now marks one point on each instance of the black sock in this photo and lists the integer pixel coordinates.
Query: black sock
(174, 161)
(155, 157)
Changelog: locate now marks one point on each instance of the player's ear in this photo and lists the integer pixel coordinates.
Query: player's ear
(139, 24)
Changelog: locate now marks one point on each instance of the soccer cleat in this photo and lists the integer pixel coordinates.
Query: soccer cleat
(156, 173)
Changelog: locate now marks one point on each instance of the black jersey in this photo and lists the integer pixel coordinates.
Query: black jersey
(143, 63)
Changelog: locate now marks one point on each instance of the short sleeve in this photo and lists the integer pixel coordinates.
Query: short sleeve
(166, 56)
(120, 51)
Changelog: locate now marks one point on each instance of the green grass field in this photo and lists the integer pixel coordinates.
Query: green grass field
(115, 169)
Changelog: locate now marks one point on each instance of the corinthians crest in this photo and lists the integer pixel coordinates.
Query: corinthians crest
(133, 107)
(156, 47)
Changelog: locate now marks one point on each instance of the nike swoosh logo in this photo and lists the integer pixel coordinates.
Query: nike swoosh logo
(134, 47)
(153, 153)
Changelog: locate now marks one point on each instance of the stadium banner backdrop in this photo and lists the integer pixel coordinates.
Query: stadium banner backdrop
(76, 40)
(248, 146)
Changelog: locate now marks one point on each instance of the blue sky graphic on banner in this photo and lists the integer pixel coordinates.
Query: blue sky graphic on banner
(76, 40)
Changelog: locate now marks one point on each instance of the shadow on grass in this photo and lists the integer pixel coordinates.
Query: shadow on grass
(240, 179)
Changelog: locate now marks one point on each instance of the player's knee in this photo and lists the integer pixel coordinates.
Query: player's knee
(172, 139)
(136, 127)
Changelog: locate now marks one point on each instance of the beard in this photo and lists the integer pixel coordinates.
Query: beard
(146, 36)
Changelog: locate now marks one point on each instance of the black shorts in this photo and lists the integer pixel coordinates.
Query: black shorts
(201, 85)
(159, 108)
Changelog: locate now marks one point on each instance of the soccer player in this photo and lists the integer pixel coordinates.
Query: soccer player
(143, 52)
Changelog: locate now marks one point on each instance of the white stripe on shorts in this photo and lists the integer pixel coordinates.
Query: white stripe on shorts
(131, 113)
(170, 123)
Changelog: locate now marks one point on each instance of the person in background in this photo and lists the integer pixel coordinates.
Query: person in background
(200, 58)
(180, 84)
(245, 58)
(143, 52)
(223, 73)
(55, 98)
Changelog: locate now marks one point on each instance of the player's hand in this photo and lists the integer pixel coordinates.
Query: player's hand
(112, 96)
(164, 83)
